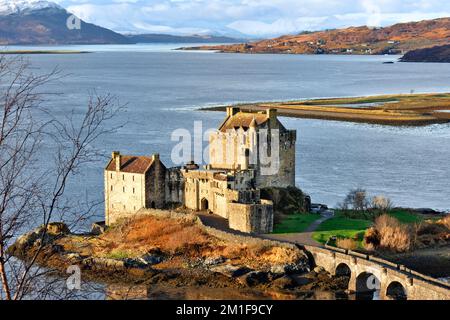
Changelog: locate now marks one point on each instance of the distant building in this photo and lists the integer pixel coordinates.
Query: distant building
(228, 186)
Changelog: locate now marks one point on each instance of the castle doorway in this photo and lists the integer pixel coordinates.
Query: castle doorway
(204, 204)
(153, 205)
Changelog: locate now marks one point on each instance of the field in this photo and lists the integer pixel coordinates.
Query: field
(295, 223)
(410, 109)
(353, 225)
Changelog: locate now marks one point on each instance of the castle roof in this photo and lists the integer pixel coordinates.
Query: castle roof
(244, 120)
(132, 164)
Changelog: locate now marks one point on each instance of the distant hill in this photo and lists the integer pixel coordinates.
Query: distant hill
(434, 54)
(30, 22)
(165, 38)
(396, 39)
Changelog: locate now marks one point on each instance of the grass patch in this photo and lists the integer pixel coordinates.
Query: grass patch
(118, 254)
(402, 215)
(405, 216)
(341, 227)
(295, 223)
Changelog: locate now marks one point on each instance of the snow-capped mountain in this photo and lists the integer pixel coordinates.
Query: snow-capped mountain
(25, 6)
(30, 22)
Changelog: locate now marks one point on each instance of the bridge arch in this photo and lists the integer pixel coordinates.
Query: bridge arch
(367, 286)
(343, 270)
(396, 291)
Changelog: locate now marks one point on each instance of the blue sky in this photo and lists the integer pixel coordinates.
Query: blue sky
(250, 18)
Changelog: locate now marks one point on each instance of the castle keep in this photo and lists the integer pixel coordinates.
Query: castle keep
(249, 151)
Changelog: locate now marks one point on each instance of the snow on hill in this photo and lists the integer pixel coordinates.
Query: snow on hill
(24, 6)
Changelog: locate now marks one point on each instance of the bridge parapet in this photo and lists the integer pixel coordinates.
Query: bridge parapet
(415, 285)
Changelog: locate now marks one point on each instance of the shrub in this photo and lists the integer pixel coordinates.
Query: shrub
(372, 239)
(348, 244)
(393, 235)
(445, 222)
(429, 228)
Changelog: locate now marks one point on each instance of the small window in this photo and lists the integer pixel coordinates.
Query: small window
(112, 188)
(123, 189)
(134, 190)
(111, 175)
(123, 177)
(133, 178)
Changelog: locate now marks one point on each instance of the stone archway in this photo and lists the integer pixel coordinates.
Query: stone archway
(367, 286)
(204, 204)
(343, 270)
(396, 291)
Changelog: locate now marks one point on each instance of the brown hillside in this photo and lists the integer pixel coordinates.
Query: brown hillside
(396, 39)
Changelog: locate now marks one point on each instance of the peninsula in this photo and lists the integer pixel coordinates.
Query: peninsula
(396, 110)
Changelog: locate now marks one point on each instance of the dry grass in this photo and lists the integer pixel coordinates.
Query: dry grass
(348, 244)
(143, 234)
(394, 236)
(182, 239)
(445, 222)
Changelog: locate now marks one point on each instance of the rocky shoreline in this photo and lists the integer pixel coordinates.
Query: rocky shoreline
(291, 280)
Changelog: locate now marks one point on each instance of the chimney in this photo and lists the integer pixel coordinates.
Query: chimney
(272, 116)
(116, 157)
(155, 157)
(231, 111)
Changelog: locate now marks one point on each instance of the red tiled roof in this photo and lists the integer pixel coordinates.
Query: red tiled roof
(243, 119)
(131, 164)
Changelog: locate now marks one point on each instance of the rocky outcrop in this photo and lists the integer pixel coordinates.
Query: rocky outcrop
(435, 54)
(42, 236)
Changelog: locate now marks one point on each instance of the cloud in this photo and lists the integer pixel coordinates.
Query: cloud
(254, 18)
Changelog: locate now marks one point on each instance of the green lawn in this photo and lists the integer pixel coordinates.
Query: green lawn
(341, 227)
(295, 223)
(405, 216)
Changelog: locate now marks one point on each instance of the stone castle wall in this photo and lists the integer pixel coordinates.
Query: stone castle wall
(124, 194)
(251, 218)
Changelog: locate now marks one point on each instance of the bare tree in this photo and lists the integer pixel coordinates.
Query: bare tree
(382, 203)
(356, 199)
(33, 179)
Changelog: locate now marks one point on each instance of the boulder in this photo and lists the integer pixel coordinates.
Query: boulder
(57, 228)
(285, 282)
(230, 270)
(254, 278)
(98, 228)
(36, 237)
(150, 259)
(213, 261)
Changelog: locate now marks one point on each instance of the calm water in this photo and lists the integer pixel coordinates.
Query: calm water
(164, 87)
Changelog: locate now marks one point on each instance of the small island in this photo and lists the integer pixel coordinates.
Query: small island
(395, 110)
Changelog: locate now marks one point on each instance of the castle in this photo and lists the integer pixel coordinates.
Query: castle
(250, 151)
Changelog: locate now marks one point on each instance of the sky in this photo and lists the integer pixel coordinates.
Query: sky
(250, 18)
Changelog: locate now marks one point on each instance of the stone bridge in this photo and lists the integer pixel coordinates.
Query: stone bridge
(368, 273)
